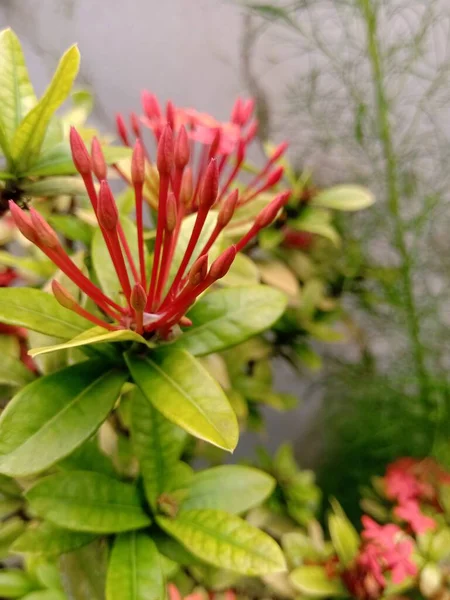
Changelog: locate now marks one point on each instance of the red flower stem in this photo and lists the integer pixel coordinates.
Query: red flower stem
(181, 304)
(160, 228)
(198, 226)
(126, 247)
(139, 317)
(253, 231)
(90, 317)
(258, 191)
(118, 261)
(140, 232)
(212, 238)
(165, 266)
(229, 181)
(203, 163)
(176, 186)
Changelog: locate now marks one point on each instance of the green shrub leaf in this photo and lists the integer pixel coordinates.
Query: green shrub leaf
(55, 414)
(226, 541)
(13, 372)
(344, 537)
(46, 538)
(134, 570)
(15, 583)
(183, 391)
(85, 501)
(344, 197)
(228, 317)
(16, 92)
(233, 488)
(39, 311)
(157, 444)
(314, 582)
(30, 134)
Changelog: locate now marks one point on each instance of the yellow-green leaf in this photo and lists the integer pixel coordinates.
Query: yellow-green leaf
(30, 134)
(344, 197)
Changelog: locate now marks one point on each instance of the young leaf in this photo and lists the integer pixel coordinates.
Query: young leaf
(344, 197)
(183, 391)
(39, 311)
(344, 537)
(134, 570)
(88, 457)
(16, 92)
(226, 541)
(232, 488)
(314, 582)
(230, 316)
(85, 501)
(15, 583)
(157, 444)
(13, 372)
(30, 134)
(49, 594)
(243, 272)
(55, 414)
(55, 186)
(46, 538)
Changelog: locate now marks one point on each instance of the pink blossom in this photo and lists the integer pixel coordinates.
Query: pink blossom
(410, 512)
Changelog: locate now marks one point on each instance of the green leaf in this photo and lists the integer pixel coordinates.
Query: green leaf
(16, 92)
(183, 391)
(55, 186)
(226, 541)
(72, 228)
(85, 501)
(232, 488)
(344, 197)
(88, 457)
(243, 272)
(10, 530)
(58, 160)
(317, 220)
(95, 335)
(45, 595)
(13, 372)
(30, 134)
(41, 267)
(228, 317)
(83, 572)
(55, 414)
(157, 444)
(103, 265)
(45, 538)
(344, 537)
(314, 582)
(39, 311)
(134, 571)
(15, 584)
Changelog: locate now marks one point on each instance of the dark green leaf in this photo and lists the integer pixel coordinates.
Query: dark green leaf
(54, 415)
(183, 391)
(83, 572)
(85, 501)
(230, 316)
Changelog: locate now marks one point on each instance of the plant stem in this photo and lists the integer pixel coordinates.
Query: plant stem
(392, 178)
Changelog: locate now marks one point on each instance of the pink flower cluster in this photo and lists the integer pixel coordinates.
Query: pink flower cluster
(227, 142)
(412, 485)
(385, 552)
(174, 594)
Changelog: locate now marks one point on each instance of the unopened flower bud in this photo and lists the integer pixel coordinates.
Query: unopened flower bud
(80, 154)
(107, 210)
(252, 131)
(199, 271)
(171, 212)
(138, 298)
(164, 160)
(236, 112)
(215, 143)
(64, 297)
(274, 177)
(170, 115)
(227, 209)
(135, 125)
(46, 236)
(182, 149)
(248, 107)
(222, 264)
(23, 222)
(98, 160)
(240, 155)
(279, 151)
(187, 187)
(269, 213)
(150, 105)
(210, 186)
(122, 130)
(185, 322)
(138, 164)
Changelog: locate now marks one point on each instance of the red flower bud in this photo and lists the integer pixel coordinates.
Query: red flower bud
(210, 186)
(23, 222)
(98, 160)
(138, 164)
(227, 209)
(279, 151)
(135, 125)
(185, 322)
(64, 297)
(45, 234)
(182, 149)
(222, 264)
(122, 130)
(248, 107)
(164, 160)
(187, 187)
(236, 112)
(171, 212)
(199, 271)
(138, 298)
(274, 177)
(170, 115)
(215, 143)
(269, 213)
(252, 131)
(80, 155)
(107, 210)
(150, 105)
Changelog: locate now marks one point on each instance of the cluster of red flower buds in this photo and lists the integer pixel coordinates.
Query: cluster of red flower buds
(151, 304)
(174, 594)
(206, 138)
